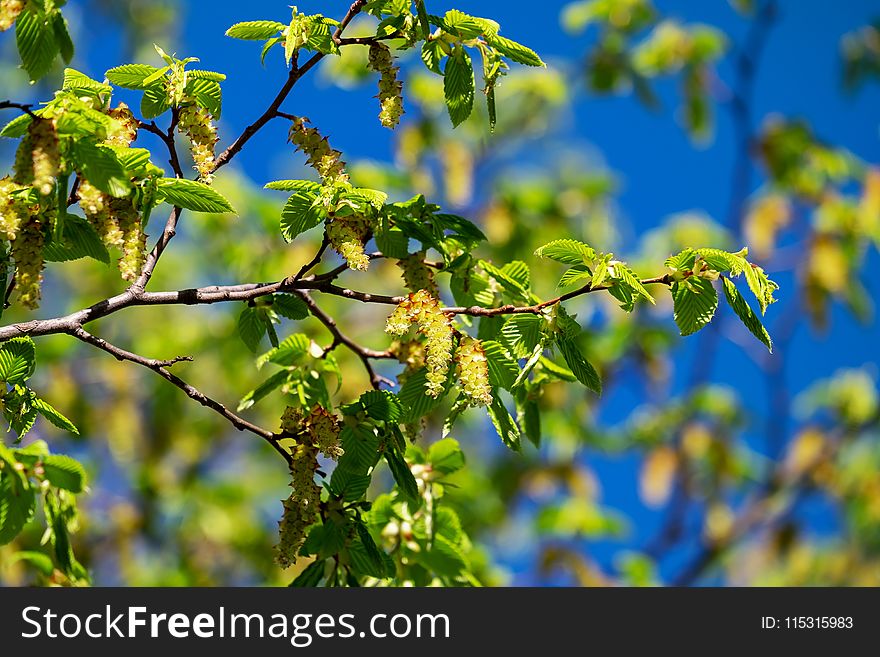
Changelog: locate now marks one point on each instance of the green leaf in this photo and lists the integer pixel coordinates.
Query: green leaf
(392, 242)
(213, 76)
(54, 416)
(722, 261)
(504, 424)
(761, 286)
(42, 562)
(417, 402)
(694, 303)
(290, 306)
(625, 276)
(577, 275)
(78, 241)
(251, 328)
(579, 365)
(130, 76)
(745, 313)
(372, 551)
(432, 54)
(155, 101)
(402, 475)
(350, 483)
(522, 333)
(264, 389)
(444, 558)
(37, 43)
(287, 353)
(569, 252)
(16, 506)
(514, 51)
(64, 472)
(62, 37)
(446, 456)
(99, 165)
(503, 369)
(361, 445)
(294, 186)
(17, 127)
(207, 94)
(255, 30)
(193, 195)
(18, 360)
(507, 281)
(600, 273)
(459, 85)
(382, 405)
(80, 82)
(299, 215)
(311, 576)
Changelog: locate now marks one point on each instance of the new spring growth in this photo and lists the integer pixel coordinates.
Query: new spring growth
(197, 124)
(424, 310)
(9, 11)
(472, 370)
(13, 208)
(38, 158)
(116, 220)
(316, 432)
(417, 275)
(325, 160)
(27, 251)
(390, 88)
(347, 235)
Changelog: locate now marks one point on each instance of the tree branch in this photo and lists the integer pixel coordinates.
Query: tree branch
(160, 367)
(339, 338)
(23, 107)
(296, 72)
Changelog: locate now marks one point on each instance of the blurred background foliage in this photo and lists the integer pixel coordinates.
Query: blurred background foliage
(698, 465)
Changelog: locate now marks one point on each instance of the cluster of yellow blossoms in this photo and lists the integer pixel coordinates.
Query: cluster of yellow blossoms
(324, 159)
(9, 11)
(316, 432)
(37, 165)
(347, 235)
(423, 309)
(197, 124)
(390, 88)
(417, 275)
(116, 220)
(472, 370)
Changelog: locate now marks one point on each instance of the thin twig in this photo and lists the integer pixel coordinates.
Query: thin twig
(363, 353)
(160, 367)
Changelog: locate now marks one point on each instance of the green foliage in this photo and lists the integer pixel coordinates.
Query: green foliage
(398, 506)
(41, 35)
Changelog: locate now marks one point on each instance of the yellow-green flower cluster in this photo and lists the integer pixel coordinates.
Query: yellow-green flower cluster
(347, 235)
(423, 309)
(472, 370)
(12, 210)
(9, 11)
(128, 126)
(317, 431)
(324, 159)
(323, 430)
(197, 124)
(301, 509)
(134, 239)
(27, 251)
(390, 88)
(38, 158)
(417, 275)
